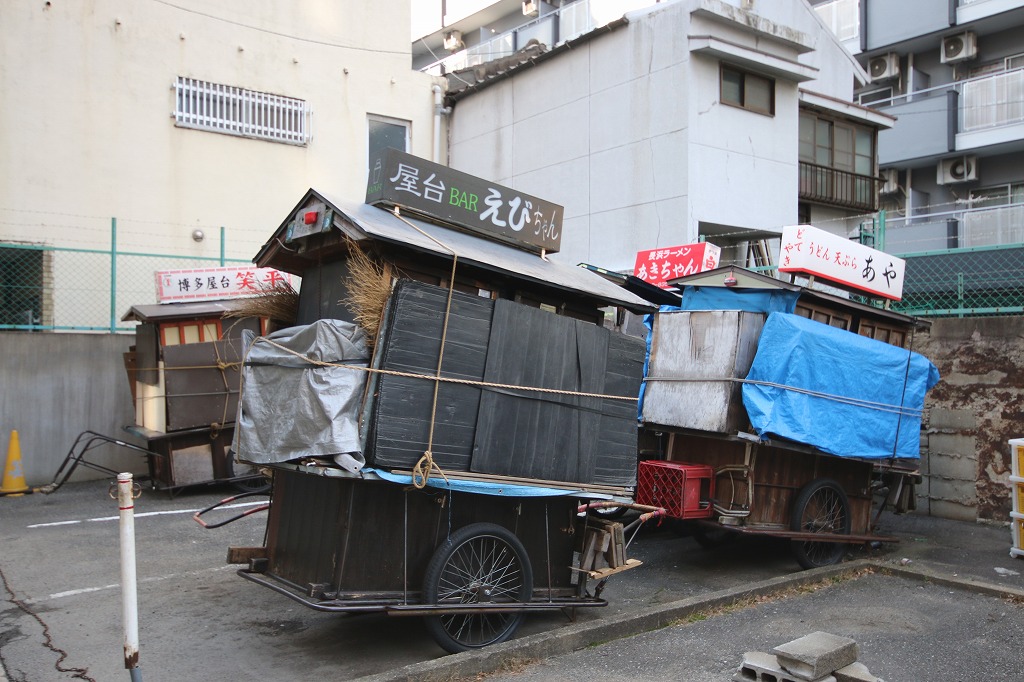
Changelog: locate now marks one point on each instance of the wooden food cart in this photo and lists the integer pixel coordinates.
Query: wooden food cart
(447, 397)
(184, 375)
(781, 410)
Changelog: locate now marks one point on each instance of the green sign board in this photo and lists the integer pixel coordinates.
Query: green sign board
(461, 200)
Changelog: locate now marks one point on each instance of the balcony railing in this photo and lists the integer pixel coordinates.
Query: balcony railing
(554, 28)
(835, 187)
(992, 101)
(969, 228)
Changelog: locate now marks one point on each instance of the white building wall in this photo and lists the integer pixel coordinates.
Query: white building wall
(627, 132)
(86, 129)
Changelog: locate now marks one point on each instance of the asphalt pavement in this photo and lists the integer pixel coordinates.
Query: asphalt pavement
(943, 603)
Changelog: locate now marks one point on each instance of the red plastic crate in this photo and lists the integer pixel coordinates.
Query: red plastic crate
(684, 490)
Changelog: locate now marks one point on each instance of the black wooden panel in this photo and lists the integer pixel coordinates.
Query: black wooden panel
(323, 293)
(403, 405)
(541, 435)
(199, 392)
(615, 461)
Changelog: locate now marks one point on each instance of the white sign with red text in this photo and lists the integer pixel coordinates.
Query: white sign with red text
(655, 266)
(179, 286)
(812, 251)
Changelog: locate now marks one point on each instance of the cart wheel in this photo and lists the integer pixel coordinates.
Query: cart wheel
(821, 507)
(609, 513)
(257, 484)
(481, 562)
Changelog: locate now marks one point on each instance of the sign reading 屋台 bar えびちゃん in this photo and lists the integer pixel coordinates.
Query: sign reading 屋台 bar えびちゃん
(811, 251)
(463, 201)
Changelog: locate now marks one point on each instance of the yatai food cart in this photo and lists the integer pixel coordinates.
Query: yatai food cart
(446, 398)
(784, 410)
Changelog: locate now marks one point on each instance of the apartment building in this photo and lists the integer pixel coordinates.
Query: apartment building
(182, 128)
(663, 123)
(952, 73)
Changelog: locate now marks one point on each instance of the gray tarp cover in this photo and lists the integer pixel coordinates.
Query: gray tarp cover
(290, 408)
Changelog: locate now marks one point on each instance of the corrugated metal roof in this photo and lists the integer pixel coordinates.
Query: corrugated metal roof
(170, 311)
(382, 224)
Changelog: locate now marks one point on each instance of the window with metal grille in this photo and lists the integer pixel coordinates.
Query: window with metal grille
(237, 111)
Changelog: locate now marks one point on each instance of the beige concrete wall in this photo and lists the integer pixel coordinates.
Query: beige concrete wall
(970, 415)
(86, 130)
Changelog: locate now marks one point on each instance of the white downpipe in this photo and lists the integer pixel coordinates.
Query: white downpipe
(439, 111)
(129, 598)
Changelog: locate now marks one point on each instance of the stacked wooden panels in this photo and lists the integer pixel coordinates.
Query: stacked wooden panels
(551, 435)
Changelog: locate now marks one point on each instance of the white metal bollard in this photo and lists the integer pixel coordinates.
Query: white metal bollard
(129, 600)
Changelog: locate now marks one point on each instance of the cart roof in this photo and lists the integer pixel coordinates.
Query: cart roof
(748, 279)
(161, 312)
(361, 221)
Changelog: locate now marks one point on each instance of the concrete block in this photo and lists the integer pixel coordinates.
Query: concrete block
(952, 444)
(761, 667)
(816, 655)
(962, 491)
(962, 467)
(956, 420)
(855, 672)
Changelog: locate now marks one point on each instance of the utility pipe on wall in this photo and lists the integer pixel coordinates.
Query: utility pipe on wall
(439, 111)
(129, 599)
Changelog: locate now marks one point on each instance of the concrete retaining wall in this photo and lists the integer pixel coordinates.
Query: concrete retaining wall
(970, 415)
(53, 387)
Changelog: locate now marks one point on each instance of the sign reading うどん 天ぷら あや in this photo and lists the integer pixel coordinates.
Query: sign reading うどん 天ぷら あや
(461, 200)
(812, 251)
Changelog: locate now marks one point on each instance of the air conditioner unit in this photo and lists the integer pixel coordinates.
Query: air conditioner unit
(890, 181)
(957, 169)
(531, 8)
(884, 66)
(959, 48)
(453, 41)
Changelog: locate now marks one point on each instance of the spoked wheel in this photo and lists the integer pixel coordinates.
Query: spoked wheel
(609, 513)
(481, 563)
(255, 482)
(821, 507)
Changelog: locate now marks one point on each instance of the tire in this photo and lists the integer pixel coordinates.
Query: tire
(481, 562)
(712, 538)
(821, 507)
(258, 483)
(609, 513)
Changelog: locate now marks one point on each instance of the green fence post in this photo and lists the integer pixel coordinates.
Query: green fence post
(222, 246)
(880, 231)
(960, 294)
(113, 275)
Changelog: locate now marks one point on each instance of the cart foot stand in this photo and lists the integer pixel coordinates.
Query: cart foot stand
(86, 441)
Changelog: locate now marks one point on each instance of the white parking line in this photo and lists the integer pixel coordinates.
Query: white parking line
(116, 586)
(139, 515)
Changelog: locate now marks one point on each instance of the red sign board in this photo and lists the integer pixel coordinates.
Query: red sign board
(658, 265)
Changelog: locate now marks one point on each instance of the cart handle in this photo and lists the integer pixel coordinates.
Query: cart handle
(198, 516)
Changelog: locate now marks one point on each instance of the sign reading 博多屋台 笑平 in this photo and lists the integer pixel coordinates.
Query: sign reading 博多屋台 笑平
(809, 250)
(464, 201)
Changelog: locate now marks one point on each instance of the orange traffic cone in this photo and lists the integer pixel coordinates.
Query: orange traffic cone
(14, 477)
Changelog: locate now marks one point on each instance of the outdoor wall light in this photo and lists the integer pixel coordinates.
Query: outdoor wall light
(198, 235)
(730, 280)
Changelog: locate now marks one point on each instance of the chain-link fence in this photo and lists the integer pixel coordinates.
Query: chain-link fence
(47, 288)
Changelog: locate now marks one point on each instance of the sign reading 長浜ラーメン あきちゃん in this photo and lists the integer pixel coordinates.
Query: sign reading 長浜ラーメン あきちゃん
(464, 201)
(812, 251)
(658, 265)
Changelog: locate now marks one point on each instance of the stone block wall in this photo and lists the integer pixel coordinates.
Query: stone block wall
(970, 415)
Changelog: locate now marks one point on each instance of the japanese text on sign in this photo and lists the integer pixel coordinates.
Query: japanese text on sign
(657, 266)
(462, 200)
(809, 250)
(177, 286)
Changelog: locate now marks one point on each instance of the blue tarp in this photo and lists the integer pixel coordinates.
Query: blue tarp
(842, 393)
(484, 487)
